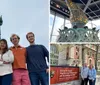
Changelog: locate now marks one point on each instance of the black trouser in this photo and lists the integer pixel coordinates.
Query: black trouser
(84, 82)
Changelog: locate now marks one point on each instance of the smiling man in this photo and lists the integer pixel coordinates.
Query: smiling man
(20, 72)
(36, 62)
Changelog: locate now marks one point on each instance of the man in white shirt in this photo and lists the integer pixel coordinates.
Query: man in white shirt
(84, 74)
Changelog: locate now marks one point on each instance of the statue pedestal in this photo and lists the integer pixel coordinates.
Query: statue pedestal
(78, 35)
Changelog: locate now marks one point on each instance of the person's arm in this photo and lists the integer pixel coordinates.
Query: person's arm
(9, 58)
(26, 55)
(46, 53)
(1, 58)
(94, 74)
(87, 72)
(82, 72)
(1, 62)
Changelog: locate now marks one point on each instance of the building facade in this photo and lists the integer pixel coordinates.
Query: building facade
(74, 55)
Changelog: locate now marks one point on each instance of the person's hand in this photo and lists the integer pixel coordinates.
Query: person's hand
(92, 80)
(47, 70)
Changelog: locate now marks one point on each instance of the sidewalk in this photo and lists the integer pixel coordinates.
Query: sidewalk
(77, 82)
(98, 80)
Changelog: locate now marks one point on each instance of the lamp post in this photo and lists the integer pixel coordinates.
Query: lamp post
(1, 22)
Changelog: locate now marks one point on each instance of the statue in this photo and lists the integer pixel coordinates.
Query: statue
(77, 16)
(1, 21)
(79, 32)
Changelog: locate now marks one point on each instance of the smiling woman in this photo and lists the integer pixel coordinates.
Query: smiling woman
(6, 60)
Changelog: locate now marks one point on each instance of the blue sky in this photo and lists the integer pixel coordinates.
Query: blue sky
(22, 16)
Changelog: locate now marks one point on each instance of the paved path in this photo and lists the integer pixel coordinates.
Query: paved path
(78, 82)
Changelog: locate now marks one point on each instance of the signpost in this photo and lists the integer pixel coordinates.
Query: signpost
(61, 74)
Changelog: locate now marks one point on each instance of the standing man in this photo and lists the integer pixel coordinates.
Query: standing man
(36, 62)
(20, 73)
(84, 74)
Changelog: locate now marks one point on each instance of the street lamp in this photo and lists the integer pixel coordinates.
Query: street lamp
(1, 22)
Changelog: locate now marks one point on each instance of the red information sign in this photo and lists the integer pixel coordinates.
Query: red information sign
(63, 74)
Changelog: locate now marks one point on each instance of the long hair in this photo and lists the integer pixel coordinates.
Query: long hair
(6, 48)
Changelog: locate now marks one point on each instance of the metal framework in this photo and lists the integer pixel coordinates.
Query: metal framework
(91, 8)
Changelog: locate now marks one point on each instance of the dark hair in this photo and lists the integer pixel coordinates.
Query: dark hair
(6, 48)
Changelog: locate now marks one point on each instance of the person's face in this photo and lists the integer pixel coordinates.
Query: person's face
(30, 38)
(2, 45)
(15, 40)
(85, 64)
(91, 66)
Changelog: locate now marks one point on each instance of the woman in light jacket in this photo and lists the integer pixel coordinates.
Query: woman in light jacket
(6, 60)
(92, 75)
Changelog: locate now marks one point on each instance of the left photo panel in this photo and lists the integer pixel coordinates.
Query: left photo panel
(24, 42)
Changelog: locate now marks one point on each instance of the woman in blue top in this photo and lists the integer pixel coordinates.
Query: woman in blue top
(92, 75)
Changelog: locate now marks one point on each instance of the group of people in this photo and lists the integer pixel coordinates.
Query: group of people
(88, 74)
(23, 66)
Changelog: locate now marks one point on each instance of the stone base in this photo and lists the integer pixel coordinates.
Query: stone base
(78, 35)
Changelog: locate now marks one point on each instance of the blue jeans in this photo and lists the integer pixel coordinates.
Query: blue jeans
(6, 79)
(38, 78)
(92, 82)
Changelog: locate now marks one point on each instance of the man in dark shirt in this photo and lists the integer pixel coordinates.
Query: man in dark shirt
(36, 62)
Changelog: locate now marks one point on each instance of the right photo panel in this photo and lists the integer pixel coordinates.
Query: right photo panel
(74, 42)
(75, 64)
